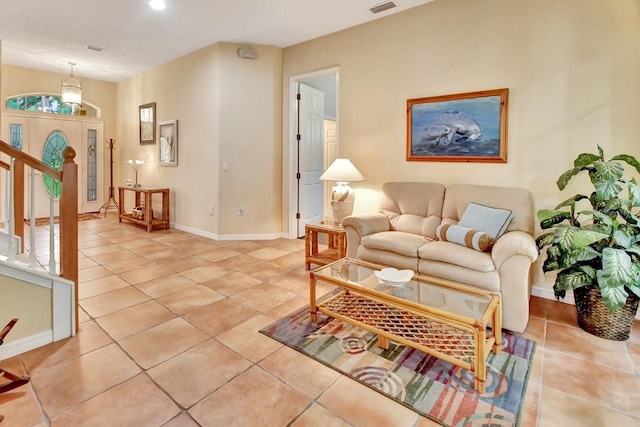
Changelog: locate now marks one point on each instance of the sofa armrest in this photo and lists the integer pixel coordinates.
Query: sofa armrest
(514, 243)
(358, 226)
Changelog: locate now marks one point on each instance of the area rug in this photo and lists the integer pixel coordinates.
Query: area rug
(431, 387)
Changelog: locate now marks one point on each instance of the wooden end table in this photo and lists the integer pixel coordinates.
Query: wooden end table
(336, 245)
(147, 218)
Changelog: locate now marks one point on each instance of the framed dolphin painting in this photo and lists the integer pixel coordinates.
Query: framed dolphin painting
(466, 127)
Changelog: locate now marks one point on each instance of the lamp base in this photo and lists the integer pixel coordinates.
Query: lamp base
(341, 210)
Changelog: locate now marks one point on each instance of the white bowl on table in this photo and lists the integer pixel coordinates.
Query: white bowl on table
(394, 277)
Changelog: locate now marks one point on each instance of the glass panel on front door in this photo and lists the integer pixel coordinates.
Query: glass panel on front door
(52, 156)
(16, 136)
(92, 165)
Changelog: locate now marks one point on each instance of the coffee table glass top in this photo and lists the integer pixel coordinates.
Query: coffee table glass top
(452, 299)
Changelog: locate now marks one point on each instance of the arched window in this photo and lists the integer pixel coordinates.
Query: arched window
(52, 157)
(51, 104)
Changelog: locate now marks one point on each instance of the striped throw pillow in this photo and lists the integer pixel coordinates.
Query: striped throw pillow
(478, 240)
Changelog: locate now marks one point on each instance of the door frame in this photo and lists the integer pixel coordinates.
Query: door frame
(292, 147)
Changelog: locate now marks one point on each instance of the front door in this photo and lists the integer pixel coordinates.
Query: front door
(44, 138)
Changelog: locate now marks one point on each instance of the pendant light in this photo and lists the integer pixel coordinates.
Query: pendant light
(71, 90)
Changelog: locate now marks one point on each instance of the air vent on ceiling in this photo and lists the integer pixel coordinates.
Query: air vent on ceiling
(382, 7)
(96, 48)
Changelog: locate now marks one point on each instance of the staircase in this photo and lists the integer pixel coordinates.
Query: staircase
(43, 298)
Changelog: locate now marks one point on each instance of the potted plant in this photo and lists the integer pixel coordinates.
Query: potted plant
(597, 250)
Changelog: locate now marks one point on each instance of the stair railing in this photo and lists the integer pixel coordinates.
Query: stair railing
(68, 177)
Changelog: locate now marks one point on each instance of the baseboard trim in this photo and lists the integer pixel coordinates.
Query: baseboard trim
(221, 237)
(11, 349)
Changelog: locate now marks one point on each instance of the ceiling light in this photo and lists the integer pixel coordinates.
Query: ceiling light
(71, 93)
(157, 4)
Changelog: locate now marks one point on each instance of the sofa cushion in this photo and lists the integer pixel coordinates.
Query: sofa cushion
(456, 255)
(406, 244)
(517, 200)
(493, 221)
(413, 207)
(489, 280)
(478, 240)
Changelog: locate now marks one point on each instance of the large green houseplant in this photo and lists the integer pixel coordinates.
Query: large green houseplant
(597, 250)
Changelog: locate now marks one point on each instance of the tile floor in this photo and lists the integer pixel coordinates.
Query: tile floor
(168, 337)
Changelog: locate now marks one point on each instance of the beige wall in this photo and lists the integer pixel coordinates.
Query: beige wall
(228, 110)
(14, 292)
(572, 68)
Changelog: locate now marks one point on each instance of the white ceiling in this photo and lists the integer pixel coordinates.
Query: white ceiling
(48, 34)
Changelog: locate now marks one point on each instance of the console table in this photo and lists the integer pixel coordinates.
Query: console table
(146, 217)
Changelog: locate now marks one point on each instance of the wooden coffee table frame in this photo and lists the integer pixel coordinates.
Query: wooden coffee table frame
(457, 339)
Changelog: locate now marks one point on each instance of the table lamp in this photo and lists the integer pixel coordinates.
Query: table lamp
(342, 171)
(135, 164)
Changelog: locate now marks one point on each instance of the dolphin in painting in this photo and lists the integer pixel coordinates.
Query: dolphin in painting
(465, 127)
(438, 134)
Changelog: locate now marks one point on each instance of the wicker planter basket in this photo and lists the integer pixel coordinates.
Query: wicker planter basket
(595, 318)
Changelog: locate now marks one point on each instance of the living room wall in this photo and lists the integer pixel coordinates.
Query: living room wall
(572, 68)
(228, 111)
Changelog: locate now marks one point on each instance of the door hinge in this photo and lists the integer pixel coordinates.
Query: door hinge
(298, 97)
(298, 137)
(298, 176)
(298, 215)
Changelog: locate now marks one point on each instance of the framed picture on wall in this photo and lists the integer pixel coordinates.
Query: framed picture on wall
(147, 118)
(466, 127)
(168, 146)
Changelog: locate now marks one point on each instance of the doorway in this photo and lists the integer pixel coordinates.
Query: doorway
(314, 143)
(44, 138)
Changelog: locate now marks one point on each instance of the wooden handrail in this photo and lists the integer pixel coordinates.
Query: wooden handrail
(30, 161)
(68, 206)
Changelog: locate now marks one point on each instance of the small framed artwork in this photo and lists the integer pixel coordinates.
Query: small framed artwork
(148, 123)
(466, 127)
(168, 147)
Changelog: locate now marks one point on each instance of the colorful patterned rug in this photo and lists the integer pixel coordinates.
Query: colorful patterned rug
(431, 387)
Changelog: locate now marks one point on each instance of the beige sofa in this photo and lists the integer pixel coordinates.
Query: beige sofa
(403, 235)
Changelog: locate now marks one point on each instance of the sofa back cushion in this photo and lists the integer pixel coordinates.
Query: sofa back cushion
(413, 207)
(517, 200)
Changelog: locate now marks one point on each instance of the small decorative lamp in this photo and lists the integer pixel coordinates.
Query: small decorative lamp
(135, 164)
(342, 171)
(71, 92)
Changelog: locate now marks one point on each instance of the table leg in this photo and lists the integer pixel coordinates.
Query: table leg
(312, 298)
(120, 205)
(480, 362)
(147, 211)
(383, 342)
(307, 248)
(496, 319)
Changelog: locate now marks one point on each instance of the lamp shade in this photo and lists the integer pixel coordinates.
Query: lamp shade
(342, 170)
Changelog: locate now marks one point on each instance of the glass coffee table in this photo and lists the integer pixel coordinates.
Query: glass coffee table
(447, 320)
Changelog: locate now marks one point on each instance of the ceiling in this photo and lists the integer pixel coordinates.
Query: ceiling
(47, 34)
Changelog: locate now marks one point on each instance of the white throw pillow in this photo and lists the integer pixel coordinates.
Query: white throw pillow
(493, 221)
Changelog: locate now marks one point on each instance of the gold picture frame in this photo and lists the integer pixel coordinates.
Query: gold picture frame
(465, 127)
(147, 117)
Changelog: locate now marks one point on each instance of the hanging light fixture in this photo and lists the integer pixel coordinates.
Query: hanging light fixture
(71, 90)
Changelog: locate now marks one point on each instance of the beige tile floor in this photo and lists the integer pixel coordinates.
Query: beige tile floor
(168, 337)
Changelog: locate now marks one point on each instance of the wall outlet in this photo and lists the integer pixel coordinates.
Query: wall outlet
(240, 211)
(212, 210)
(225, 167)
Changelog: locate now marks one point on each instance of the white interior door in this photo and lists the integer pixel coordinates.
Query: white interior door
(310, 155)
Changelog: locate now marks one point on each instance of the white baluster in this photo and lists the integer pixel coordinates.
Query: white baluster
(32, 222)
(52, 237)
(11, 255)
